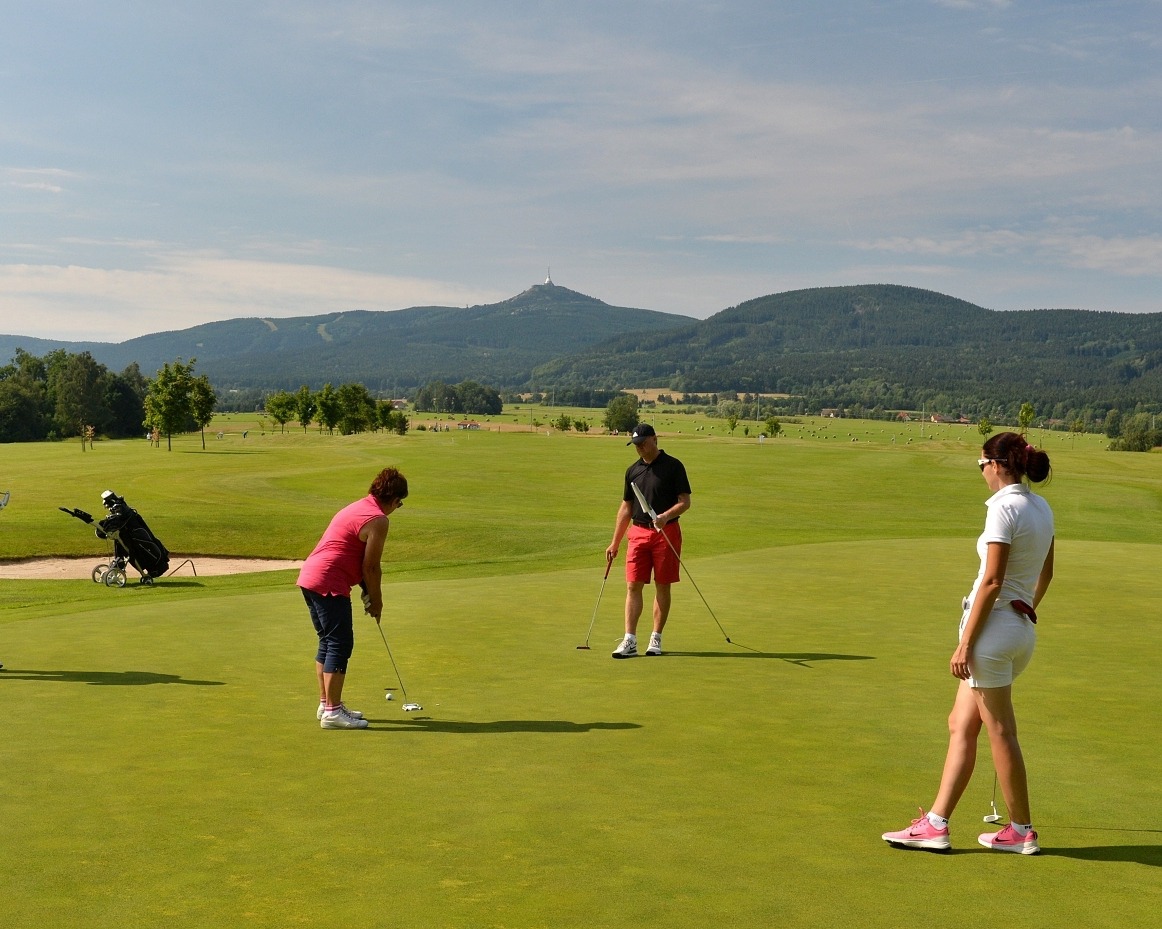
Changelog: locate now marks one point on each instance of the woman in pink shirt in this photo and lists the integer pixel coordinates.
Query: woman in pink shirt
(348, 554)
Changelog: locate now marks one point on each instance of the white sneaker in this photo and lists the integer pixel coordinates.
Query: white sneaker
(341, 719)
(627, 648)
(655, 647)
(323, 706)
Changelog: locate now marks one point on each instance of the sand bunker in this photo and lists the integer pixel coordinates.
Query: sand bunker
(82, 568)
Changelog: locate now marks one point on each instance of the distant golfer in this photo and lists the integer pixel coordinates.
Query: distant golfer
(997, 636)
(662, 480)
(348, 555)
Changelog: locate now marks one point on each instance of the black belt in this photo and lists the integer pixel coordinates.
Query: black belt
(650, 525)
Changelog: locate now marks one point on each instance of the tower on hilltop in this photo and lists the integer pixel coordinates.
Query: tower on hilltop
(549, 276)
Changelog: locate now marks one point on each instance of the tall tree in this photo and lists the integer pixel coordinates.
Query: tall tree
(305, 406)
(1026, 416)
(438, 397)
(621, 413)
(79, 391)
(329, 408)
(125, 400)
(391, 419)
(21, 410)
(280, 407)
(167, 402)
(357, 411)
(203, 400)
(478, 399)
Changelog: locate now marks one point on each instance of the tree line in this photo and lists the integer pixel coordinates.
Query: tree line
(465, 397)
(350, 408)
(63, 395)
(59, 395)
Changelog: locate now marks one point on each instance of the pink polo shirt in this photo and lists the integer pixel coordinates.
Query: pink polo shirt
(336, 564)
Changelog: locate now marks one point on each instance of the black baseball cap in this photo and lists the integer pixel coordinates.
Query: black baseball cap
(641, 432)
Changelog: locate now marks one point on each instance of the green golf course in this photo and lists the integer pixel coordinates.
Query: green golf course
(163, 766)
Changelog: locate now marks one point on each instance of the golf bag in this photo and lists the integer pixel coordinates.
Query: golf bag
(133, 543)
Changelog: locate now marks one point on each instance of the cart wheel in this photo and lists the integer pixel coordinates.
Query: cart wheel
(146, 579)
(115, 578)
(99, 573)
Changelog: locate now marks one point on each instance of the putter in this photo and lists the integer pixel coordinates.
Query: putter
(994, 816)
(585, 647)
(649, 509)
(407, 707)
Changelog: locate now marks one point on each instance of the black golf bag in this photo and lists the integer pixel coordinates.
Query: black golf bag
(133, 542)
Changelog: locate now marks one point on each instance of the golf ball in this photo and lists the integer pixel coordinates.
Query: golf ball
(389, 696)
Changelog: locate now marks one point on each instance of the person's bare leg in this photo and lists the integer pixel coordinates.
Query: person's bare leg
(996, 709)
(333, 687)
(964, 724)
(633, 606)
(322, 683)
(661, 606)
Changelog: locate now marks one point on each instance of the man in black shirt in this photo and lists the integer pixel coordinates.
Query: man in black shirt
(662, 480)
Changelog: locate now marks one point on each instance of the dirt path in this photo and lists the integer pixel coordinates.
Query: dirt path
(82, 568)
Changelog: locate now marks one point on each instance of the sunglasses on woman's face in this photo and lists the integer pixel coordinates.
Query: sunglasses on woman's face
(983, 461)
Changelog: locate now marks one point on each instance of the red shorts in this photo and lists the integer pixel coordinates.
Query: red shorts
(648, 551)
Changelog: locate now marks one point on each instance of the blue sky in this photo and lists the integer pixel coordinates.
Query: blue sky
(163, 164)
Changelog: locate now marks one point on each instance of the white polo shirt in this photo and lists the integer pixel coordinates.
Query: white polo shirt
(1022, 520)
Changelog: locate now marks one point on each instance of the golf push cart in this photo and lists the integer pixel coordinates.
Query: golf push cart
(133, 543)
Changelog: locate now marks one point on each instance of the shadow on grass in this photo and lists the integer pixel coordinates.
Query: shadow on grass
(799, 658)
(223, 451)
(1134, 854)
(102, 678)
(1138, 854)
(427, 724)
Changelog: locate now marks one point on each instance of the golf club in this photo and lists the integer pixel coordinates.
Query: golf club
(994, 816)
(407, 707)
(608, 565)
(649, 509)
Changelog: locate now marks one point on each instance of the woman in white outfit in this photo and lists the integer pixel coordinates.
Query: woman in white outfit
(997, 635)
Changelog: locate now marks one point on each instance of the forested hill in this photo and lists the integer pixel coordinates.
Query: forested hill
(891, 346)
(872, 346)
(496, 344)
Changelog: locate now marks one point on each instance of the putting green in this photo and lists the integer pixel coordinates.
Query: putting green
(163, 764)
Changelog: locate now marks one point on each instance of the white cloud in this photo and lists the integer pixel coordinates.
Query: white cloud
(185, 290)
(1133, 256)
(680, 156)
(45, 180)
(974, 4)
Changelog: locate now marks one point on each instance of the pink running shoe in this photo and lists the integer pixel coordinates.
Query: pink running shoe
(1009, 840)
(921, 834)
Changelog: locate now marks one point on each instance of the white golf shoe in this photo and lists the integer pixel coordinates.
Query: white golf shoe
(323, 708)
(627, 648)
(341, 719)
(655, 646)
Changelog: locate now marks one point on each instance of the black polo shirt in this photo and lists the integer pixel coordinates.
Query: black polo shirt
(660, 481)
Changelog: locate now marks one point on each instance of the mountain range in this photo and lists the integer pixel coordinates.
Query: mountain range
(499, 344)
(883, 345)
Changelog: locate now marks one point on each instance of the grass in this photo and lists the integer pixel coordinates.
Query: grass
(163, 764)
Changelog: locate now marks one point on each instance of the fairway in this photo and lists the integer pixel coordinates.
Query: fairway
(163, 765)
